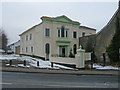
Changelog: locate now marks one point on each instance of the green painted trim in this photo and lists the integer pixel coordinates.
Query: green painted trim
(63, 41)
(66, 50)
(62, 19)
(62, 44)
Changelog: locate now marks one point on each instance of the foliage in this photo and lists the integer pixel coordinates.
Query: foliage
(93, 57)
(113, 48)
(71, 54)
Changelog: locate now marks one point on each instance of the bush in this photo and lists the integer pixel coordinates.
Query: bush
(71, 54)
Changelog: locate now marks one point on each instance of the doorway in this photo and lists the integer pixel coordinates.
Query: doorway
(62, 51)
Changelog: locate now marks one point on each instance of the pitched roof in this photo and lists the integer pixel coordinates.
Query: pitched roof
(84, 27)
(30, 29)
(51, 18)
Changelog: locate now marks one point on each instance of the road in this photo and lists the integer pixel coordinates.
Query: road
(39, 80)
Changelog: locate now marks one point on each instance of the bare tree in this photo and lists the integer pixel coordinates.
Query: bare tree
(3, 40)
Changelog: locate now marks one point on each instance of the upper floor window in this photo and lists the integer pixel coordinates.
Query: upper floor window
(47, 32)
(83, 34)
(59, 33)
(62, 32)
(26, 37)
(66, 33)
(74, 34)
(30, 36)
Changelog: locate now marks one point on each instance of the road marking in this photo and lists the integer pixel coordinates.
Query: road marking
(6, 83)
(71, 86)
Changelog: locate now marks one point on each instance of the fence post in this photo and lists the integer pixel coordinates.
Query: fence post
(24, 63)
(10, 62)
(51, 64)
(38, 63)
(79, 57)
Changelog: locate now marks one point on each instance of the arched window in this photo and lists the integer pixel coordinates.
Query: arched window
(74, 48)
(47, 48)
(62, 31)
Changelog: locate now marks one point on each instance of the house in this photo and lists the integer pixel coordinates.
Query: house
(15, 47)
(54, 36)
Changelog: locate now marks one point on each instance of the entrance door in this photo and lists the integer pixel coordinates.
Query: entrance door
(63, 51)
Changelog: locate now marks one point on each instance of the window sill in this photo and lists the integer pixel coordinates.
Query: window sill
(75, 38)
(47, 37)
(63, 37)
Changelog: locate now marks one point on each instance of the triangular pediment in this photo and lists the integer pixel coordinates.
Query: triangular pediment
(63, 19)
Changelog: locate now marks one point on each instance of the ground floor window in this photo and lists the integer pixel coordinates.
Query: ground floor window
(26, 49)
(31, 49)
(47, 48)
(74, 49)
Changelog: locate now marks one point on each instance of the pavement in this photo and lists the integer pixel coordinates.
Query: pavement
(60, 71)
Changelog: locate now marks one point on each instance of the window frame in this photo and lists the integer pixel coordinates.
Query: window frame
(74, 34)
(31, 49)
(47, 32)
(30, 36)
(26, 37)
(83, 34)
(62, 32)
(26, 49)
(47, 48)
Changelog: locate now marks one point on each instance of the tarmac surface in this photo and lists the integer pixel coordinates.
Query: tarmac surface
(40, 80)
(60, 71)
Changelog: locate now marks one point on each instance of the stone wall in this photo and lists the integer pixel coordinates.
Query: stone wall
(104, 37)
(84, 40)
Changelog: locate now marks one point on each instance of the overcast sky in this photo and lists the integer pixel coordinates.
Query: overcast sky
(20, 16)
